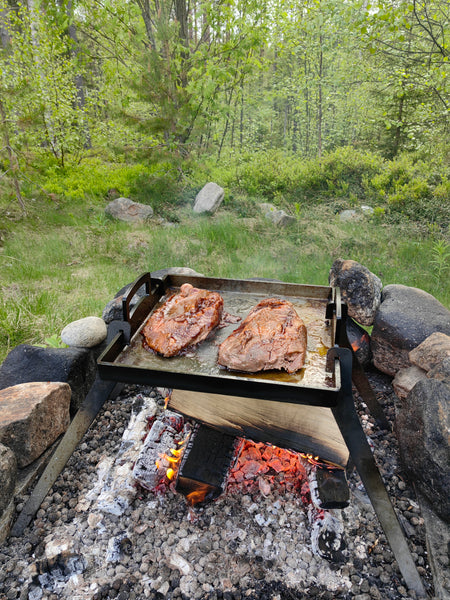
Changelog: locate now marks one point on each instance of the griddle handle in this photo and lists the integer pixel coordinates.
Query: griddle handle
(144, 279)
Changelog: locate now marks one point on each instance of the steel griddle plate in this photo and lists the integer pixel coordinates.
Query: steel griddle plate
(198, 369)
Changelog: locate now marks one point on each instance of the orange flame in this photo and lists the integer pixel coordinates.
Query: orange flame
(199, 494)
(356, 344)
(171, 461)
(316, 461)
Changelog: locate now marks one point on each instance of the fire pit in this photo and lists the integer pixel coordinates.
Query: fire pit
(328, 384)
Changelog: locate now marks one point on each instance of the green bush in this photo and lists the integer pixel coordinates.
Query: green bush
(91, 178)
(415, 189)
(348, 171)
(273, 174)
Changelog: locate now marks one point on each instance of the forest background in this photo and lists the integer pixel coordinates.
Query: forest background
(313, 105)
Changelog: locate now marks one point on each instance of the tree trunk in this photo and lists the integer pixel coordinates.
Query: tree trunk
(79, 81)
(319, 111)
(13, 165)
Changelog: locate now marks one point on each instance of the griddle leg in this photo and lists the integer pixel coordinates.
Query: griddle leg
(361, 454)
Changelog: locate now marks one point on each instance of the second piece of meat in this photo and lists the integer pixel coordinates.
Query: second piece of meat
(272, 336)
(185, 319)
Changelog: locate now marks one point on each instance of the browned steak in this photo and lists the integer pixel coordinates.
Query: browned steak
(271, 337)
(185, 319)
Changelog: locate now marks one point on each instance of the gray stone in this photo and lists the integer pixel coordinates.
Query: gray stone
(276, 216)
(406, 379)
(125, 209)
(84, 333)
(367, 210)
(404, 319)
(349, 215)
(75, 366)
(266, 207)
(280, 218)
(441, 371)
(421, 425)
(431, 352)
(8, 470)
(32, 416)
(361, 289)
(113, 311)
(209, 198)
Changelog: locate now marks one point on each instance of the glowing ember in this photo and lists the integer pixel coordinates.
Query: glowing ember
(263, 467)
(357, 343)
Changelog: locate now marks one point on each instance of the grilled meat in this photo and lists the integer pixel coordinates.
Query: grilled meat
(272, 336)
(185, 319)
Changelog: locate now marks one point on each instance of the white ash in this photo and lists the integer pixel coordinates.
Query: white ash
(118, 489)
(151, 465)
(243, 545)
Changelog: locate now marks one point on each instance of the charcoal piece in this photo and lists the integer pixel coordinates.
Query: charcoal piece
(329, 488)
(206, 463)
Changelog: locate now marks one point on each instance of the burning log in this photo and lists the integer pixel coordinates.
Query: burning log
(153, 465)
(207, 459)
(302, 428)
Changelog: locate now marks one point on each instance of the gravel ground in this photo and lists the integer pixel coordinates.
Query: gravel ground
(244, 545)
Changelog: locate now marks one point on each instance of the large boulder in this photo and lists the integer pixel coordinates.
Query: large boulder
(125, 209)
(360, 288)
(75, 366)
(421, 424)
(209, 198)
(32, 416)
(8, 470)
(404, 319)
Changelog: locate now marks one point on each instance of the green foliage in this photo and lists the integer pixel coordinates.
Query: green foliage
(347, 170)
(274, 173)
(38, 81)
(441, 258)
(54, 341)
(93, 178)
(415, 189)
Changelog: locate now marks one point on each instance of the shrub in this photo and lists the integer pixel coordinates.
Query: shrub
(273, 174)
(91, 178)
(348, 171)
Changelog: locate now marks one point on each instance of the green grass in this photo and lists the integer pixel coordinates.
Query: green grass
(65, 261)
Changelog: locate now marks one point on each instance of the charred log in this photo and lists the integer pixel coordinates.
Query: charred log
(207, 460)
